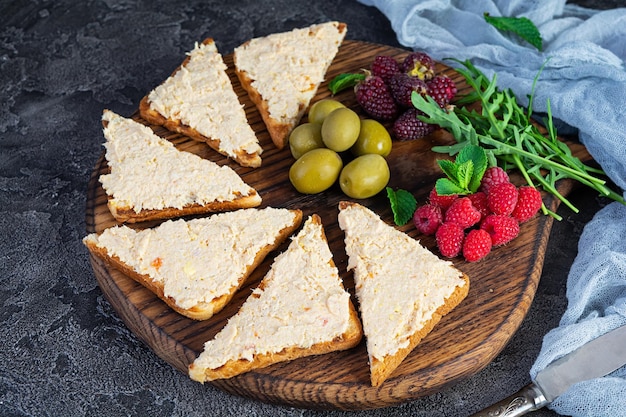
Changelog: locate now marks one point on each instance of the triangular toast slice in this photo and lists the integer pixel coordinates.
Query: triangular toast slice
(281, 73)
(198, 101)
(150, 179)
(299, 309)
(196, 266)
(403, 289)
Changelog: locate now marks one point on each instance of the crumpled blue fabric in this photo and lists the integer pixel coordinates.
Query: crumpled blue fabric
(585, 80)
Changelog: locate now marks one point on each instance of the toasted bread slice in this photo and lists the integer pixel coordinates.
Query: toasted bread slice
(150, 179)
(403, 289)
(300, 309)
(196, 266)
(281, 73)
(198, 101)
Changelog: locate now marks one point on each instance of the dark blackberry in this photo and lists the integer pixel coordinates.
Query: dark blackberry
(419, 64)
(442, 89)
(402, 86)
(375, 98)
(385, 67)
(409, 127)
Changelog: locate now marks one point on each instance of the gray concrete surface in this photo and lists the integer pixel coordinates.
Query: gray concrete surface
(63, 349)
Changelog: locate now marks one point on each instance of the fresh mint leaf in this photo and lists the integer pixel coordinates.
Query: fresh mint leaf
(464, 174)
(521, 26)
(403, 205)
(343, 81)
(478, 157)
(446, 187)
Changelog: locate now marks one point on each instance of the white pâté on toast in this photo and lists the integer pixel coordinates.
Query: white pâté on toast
(403, 288)
(282, 72)
(198, 100)
(300, 308)
(196, 265)
(149, 178)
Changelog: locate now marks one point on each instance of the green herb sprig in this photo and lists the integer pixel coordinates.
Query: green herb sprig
(510, 139)
(520, 26)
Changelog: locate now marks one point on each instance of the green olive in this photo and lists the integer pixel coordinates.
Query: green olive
(320, 109)
(315, 171)
(305, 137)
(340, 129)
(365, 176)
(373, 138)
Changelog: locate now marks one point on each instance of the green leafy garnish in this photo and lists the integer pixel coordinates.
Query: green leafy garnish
(403, 205)
(464, 174)
(343, 81)
(510, 139)
(521, 26)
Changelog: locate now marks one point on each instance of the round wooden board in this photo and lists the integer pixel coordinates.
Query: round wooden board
(466, 340)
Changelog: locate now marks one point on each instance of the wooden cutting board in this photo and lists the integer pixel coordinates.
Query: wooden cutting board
(502, 285)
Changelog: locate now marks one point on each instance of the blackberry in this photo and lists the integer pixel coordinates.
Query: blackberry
(375, 98)
(442, 89)
(385, 67)
(402, 85)
(419, 64)
(409, 127)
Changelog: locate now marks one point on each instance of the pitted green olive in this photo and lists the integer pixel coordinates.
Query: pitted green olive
(340, 129)
(365, 176)
(320, 109)
(305, 137)
(373, 138)
(315, 171)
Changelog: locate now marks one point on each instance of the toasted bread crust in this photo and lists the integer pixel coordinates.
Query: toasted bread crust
(347, 340)
(380, 370)
(201, 311)
(252, 160)
(279, 132)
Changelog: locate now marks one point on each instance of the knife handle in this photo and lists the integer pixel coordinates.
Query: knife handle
(530, 398)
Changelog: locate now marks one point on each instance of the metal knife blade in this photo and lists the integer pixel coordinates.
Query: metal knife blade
(594, 359)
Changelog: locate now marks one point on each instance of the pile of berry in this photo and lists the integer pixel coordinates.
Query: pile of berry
(472, 225)
(385, 93)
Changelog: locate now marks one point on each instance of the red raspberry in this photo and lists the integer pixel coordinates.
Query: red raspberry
(480, 202)
(492, 176)
(408, 127)
(442, 89)
(418, 64)
(477, 245)
(502, 228)
(375, 98)
(449, 238)
(442, 201)
(427, 219)
(502, 198)
(385, 67)
(402, 86)
(463, 213)
(528, 203)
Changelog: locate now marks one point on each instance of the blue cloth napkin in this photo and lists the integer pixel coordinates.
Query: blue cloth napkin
(585, 80)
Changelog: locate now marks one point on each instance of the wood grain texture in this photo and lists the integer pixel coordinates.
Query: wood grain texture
(465, 341)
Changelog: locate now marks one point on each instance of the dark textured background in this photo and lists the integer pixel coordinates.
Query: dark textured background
(63, 350)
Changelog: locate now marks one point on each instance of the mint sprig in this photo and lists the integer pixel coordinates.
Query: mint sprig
(343, 81)
(520, 26)
(464, 173)
(403, 205)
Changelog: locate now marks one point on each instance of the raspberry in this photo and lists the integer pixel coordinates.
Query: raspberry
(502, 198)
(463, 213)
(502, 228)
(408, 127)
(449, 238)
(402, 85)
(480, 203)
(418, 64)
(442, 201)
(375, 98)
(385, 67)
(528, 203)
(477, 245)
(442, 89)
(492, 176)
(427, 219)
